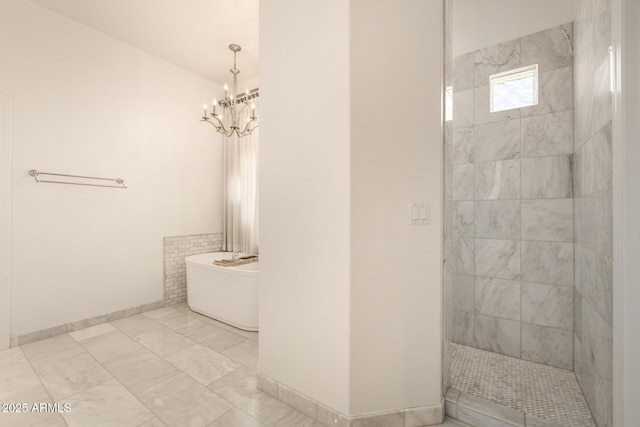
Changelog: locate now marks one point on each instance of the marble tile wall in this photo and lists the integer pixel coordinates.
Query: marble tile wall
(593, 208)
(509, 231)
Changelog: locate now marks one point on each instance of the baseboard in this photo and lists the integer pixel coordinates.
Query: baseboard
(85, 323)
(407, 417)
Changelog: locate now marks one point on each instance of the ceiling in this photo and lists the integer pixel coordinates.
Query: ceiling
(192, 34)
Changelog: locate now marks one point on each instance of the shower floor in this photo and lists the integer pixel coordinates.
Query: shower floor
(543, 393)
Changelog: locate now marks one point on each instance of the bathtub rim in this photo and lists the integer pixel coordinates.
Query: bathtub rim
(206, 261)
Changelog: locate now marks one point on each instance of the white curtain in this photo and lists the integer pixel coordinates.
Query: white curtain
(240, 191)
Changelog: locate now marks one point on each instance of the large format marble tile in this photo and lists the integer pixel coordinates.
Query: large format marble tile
(481, 109)
(546, 345)
(73, 375)
(548, 220)
(240, 388)
(497, 180)
(463, 219)
(182, 401)
(463, 109)
(497, 219)
(153, 422)
(604, 402)
(547, 177)
(245, 353)
(202, 332)
(180, 322)
(462, 297)
(550, 49)
(298, 419)
(463, 182)
(547, 134)
(51, 350)
(462, 145)
(109, 346)
(497, 335)
(108, 404)
(547, 262)
(136, 325)
(236, 418)
(202, 364)
(462, 328)
(463, 72)
(461, 255)
(140, 369)
(497, 258)
(496, 59)
(594, 164)
(555, 93)
(498, 298)
(547, 305)
(16, 374)
(594, 222)
(164, 342)
(93, 331)
(221, 340)
(496, 141)
(38, 396)
(160, 312)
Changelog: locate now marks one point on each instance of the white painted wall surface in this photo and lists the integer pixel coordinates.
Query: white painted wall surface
(482, 23)
(305, 197)
(350, 294)
(396, 159)
(87, 104)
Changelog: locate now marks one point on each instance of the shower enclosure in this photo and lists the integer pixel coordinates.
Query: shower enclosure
(528, 225)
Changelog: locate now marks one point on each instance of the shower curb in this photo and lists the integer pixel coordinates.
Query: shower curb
(485, 413)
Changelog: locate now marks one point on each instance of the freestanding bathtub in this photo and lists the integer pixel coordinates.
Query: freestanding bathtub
(227, 294)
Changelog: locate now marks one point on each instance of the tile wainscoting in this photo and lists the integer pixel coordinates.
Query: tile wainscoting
(176, 249)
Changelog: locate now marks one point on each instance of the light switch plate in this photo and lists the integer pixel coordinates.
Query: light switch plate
(419, 214)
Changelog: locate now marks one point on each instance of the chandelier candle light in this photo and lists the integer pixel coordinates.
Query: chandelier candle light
(235, 104)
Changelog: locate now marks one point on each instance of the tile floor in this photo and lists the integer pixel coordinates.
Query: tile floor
(551, 395)
(168, 367)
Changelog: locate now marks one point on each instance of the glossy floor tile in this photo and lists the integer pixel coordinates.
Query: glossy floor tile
(167, 367)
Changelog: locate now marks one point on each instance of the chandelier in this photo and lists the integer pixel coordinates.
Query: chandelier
(233, 106)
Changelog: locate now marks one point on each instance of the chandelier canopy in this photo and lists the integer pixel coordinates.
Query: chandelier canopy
(227, 120)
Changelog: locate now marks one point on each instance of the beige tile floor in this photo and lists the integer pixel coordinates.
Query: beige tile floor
(168, 367)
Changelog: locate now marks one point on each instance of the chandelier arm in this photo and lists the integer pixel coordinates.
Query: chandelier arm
(218, 127)
(244, 131)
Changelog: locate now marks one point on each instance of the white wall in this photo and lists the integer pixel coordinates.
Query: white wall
(305, 197)
(396, 159)
(87, 104)
(350, 294)
(482, 23)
